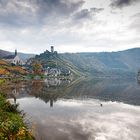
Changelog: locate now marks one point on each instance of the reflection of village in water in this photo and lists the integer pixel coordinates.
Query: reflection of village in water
(52, 89)
(48, 90)
(53, 82)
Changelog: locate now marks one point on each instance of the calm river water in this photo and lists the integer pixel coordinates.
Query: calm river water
(92, 109)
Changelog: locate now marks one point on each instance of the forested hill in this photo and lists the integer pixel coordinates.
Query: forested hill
(108, 63)
(53, 60)
(4, 53)
(124, 63)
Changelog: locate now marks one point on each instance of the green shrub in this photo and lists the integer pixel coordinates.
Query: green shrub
(2, 81)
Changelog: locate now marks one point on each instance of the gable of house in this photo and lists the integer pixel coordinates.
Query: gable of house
(17, 60)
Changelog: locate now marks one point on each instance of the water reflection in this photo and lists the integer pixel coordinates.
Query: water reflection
(127, 91)
(50, 90)
(83, 120)
(80, 110)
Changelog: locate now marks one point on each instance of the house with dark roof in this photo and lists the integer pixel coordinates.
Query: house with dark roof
(14, 59)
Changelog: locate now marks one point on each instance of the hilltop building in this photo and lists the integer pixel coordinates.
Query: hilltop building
(14, 59)
(52, 49)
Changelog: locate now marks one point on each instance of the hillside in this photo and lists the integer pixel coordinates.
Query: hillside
(53, 60)
(4, 53)
(7, 70)
(108, 63)
(122, 63)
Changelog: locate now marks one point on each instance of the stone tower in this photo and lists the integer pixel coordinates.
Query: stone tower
(52, 49)
(15, 52)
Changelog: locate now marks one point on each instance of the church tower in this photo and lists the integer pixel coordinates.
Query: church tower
(15, 52)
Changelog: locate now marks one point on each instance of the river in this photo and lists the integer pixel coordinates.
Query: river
(89, 109)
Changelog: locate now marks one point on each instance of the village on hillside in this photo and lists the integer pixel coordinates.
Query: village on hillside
(13, 65)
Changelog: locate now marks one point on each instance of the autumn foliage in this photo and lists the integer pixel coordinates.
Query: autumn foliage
(2, 62)
(7, 69)
(36, 68)
(4, 71)
(16, 70)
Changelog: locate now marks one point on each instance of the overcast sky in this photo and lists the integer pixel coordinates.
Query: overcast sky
(32, 26)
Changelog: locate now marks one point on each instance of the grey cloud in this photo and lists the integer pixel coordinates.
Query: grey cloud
(97, 10)
(136, 15)
(86, 13)
(122, 3)
(60, 6)
(135, 24)
(32, 12)
(83, 14)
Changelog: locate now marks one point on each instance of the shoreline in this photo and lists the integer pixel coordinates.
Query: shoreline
(12, 125)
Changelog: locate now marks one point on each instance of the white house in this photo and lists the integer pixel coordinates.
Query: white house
(14, 59)
(52, 71)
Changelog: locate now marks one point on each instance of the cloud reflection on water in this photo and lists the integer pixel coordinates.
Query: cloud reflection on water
(83, 119)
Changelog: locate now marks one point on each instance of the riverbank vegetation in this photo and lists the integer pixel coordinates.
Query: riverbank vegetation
(12, 126)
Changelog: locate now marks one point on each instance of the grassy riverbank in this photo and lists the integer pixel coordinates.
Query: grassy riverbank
(12, 126)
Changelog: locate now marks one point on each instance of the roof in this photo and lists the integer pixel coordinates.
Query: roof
(10, 57)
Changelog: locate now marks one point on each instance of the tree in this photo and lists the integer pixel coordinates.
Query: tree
(36, 67)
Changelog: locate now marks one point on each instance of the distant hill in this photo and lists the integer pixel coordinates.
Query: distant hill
(23, 56)
(122, 63)
(4, 53)
(106, 63)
